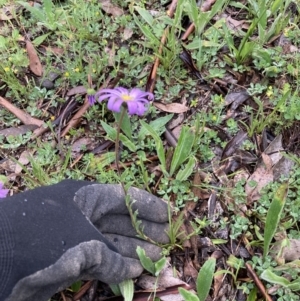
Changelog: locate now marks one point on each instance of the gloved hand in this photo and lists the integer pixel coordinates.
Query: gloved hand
(49, 237)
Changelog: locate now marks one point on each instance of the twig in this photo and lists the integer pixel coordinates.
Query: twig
(257, 281)
(23, 116)
(170, 13)
(206, 6)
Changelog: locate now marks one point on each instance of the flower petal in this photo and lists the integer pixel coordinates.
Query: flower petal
(114, 104)
(132, 107)
(138, 94)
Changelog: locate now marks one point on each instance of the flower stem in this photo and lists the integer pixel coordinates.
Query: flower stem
(128, 201)
(117, 146)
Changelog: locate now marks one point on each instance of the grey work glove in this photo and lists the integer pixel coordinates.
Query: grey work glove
(50, 237)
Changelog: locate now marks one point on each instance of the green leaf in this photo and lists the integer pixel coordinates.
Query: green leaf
(269, 276)
(183, 148)
(157, 125)
(39, 40)
(112, 134)
(187, 296)
(128, 143)
(126, 125)
(146, 31)
(110, 131)
(205, 278)
(159, 145)
(127, 289)
(159, 265)
(36, 12)
(115, 289)
(145, 15)
(183, 174)
(253, 295)
(146, 262)
(274, 215)
(75, 287)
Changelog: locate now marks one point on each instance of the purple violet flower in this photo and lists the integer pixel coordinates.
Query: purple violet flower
(3, 192)
(137, 101)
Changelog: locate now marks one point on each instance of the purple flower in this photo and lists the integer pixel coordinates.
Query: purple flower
(91, 99)
(137, 101)
(91, 96)
(3, 192)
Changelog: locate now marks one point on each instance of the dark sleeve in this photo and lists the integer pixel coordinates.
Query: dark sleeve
(37, 227)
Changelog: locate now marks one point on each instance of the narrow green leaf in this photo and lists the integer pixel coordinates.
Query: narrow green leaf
(128, 143)
(183, 148)
(145, 15)
(159, 145)
(115, 289)
(183, 174)
(295, 285)
(159, 265)
(145, 30)
(110, 131)
(269, 276)
(205, 278)
(112, 134)
(146, 262)
(187, 296)
(104, 159)
(253, 295)
(39, 40)
(274, 215)
(127, 289)
(36, 12)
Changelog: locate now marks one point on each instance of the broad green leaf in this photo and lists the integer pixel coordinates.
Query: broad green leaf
(187, 296)
(159, 145)
(146, 262)
(183, 174)
(269, 276)
(205, 278)
(183, 148)
(157, 125)
(274, 215)
(127, 289)
(126, 125)
(159, 265)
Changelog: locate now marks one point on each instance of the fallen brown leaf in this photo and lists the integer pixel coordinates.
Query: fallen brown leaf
(171, 107)
(111, 9)
(34, 62)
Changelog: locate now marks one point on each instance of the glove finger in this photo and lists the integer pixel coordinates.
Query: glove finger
(121, 224)
(127, 246)
(97, 200)
(89, 260)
